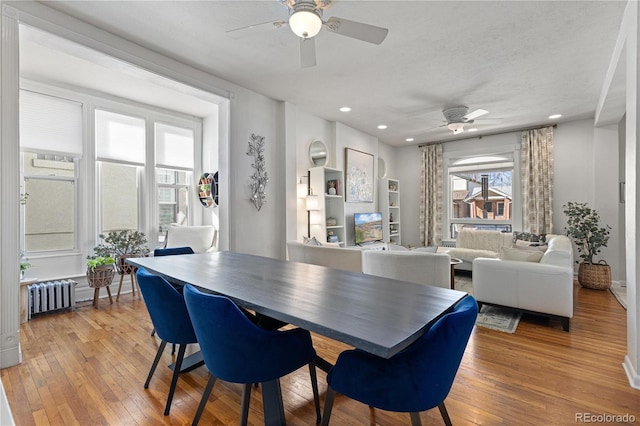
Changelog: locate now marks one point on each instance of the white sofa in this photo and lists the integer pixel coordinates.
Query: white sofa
(395, 262)
(414, 266)
(348, 259)
(541, 287)
(474, 243)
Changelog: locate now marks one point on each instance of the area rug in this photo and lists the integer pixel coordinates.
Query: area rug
(493, 317)
(620, 293)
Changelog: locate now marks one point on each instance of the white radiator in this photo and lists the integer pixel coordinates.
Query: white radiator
(51, 295)
(448, 243)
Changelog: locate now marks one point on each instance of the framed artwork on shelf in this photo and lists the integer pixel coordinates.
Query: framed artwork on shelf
(359, 176)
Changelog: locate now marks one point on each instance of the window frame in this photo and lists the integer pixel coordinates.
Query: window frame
(511, 153)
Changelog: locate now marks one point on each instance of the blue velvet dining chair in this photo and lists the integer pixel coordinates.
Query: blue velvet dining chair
(416, 379)
(170, 320)
(172, 251)
(237, 350)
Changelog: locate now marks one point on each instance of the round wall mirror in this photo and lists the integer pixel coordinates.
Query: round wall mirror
(382, 168)
(318, 153)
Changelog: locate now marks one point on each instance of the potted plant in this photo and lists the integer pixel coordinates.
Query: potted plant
(122, 245)
(24, 265)
(100, 271)
(583, 227)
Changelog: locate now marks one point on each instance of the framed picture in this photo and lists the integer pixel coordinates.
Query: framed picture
(359, 176)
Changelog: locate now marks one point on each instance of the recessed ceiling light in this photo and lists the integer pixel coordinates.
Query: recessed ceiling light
(472, 130)
(382, 126)
(345, 109)
(554, 116)
(409, 139)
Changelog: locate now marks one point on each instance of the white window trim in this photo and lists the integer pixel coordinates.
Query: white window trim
(516, 198)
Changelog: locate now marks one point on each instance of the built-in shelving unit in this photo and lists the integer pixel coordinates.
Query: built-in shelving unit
(328, 220)
(390, 206)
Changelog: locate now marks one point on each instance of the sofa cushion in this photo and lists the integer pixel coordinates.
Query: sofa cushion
(470, 254)
(507, 253)
(480, 239)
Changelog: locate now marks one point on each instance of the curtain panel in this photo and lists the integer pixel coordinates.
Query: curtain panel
(536, 157)
(431, 195)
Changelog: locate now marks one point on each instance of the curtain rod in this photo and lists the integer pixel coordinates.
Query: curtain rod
(491, 134)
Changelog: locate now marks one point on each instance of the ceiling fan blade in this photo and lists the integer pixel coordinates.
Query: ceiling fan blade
(256, 29)
(307, 52)
(357, 30)
(475, 114)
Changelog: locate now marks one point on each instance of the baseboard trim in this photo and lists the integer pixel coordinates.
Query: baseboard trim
(632, 374)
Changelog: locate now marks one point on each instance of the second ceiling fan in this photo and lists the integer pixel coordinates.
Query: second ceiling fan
(305, 20)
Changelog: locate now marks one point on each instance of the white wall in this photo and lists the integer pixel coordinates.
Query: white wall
(347, 137)
(252, 231)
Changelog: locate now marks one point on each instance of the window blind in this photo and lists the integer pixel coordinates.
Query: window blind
(50, 124)
(120, 138)
(174, 146)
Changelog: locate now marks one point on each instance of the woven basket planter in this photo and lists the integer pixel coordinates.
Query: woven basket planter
(123, 267)
(101, 276)
(596, 276)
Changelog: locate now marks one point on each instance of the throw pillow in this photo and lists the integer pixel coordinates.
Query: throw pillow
(311, 241)
(526, 245)
(507, 253)
(526, 236)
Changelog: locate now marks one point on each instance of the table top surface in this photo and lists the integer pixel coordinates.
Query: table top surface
(378, 315)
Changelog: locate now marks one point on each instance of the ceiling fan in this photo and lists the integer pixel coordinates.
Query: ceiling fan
(305, 20)
(458, 116)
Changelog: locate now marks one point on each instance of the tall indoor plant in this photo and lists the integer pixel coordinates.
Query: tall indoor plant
(583, 227)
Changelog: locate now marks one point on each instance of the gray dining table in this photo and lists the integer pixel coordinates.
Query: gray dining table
(378, 315)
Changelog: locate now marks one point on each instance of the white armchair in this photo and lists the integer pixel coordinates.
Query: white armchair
(201, 239)
(414, 266)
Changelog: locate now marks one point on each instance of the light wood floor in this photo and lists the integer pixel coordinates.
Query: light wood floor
(88, 367)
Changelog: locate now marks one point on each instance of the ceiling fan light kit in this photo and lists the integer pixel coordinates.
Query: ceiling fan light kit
(458, 116)
(305, 20)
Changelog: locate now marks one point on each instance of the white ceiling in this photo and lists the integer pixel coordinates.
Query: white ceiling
(520, 60)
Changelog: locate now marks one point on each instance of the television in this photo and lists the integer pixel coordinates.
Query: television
(368, 227)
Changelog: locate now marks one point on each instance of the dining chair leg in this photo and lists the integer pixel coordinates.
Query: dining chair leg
(205, 398)
(246, 399)
(155, 363)
(314, 386)
(174, 379)
(415, 419)
(445, 414)
(328, 405)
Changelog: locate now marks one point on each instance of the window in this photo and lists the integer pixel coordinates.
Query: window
(173, 198)
(480, 193)
(174, 147)
(118, 197)
(50, 145)
(120, 149)
(49, 212)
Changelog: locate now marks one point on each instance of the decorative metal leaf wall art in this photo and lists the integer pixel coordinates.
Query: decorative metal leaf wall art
(259, 178)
